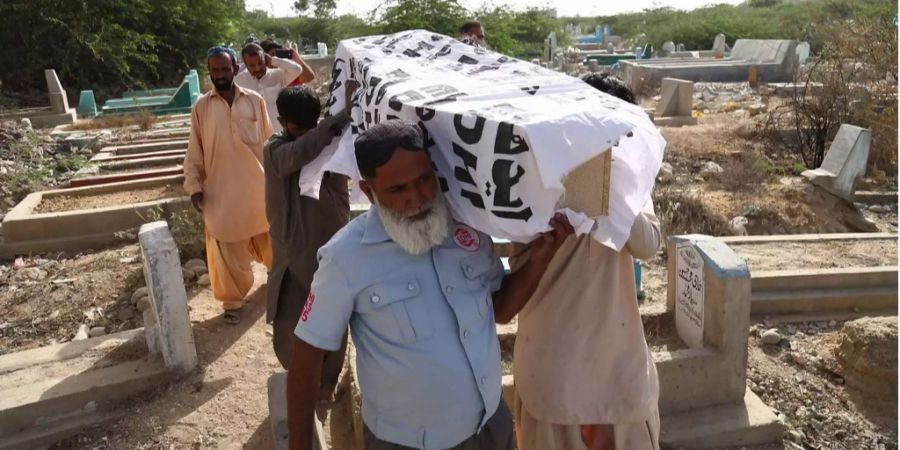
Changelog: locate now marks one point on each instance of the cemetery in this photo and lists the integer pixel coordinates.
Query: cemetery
(770, 312)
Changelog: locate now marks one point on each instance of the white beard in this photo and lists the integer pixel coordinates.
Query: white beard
(418, 236)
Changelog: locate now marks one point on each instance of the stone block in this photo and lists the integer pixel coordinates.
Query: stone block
(162, 271)
(845, 161)
(58, 101)
(676, 98)
(87, 105)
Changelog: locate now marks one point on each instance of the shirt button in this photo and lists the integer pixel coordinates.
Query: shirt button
(411, 287)
(469, 269)
(448, 289)
(483, 380)
(376, 299)
(466, 333)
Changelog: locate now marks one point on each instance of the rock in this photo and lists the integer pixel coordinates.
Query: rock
(34, 273)
(795, 436)
(83, 333)
(198, 271)
(867, 356)
(771, 337)
(97, 331)
(140, 292)
(94, 316)
(144, 303)
(188, 275)
(203, 280)
(756, 109)
(194, 263)
(125, 314)
(880, 209)
(738, 225)
(832, 323)
(709, 169)
(666, 173)
(25, 123)
(53, 315)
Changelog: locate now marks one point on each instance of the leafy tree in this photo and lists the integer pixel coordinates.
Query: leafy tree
(99, 44)
(441, 16)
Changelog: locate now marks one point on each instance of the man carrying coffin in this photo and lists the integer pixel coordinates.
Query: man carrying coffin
(421, 293)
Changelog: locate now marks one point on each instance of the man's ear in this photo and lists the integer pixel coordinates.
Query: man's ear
(236, 68)
(367, 189)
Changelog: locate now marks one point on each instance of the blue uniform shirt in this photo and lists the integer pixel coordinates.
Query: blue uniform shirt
(427, 353)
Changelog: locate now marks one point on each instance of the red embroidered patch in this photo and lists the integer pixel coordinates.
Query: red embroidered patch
(304, 316)
(466, 238)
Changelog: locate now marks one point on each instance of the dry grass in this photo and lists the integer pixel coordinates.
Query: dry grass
(684, 213)
(144, 121)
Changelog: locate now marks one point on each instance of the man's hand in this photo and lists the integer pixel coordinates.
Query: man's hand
(197, 201)
(598, 437)
(269, 62)
(350, 89)
(544, 247)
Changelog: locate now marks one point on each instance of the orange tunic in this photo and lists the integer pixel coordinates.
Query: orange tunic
(224, 162)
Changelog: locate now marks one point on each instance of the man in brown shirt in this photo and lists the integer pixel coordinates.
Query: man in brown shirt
(585, 377)
(299, 225)
(223, 174)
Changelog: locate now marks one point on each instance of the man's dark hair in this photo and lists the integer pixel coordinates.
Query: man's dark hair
(468, 27)
(251, 49)
(375, 146)
(611, 85)
(300, 105)
(219, 50)
(269, 44)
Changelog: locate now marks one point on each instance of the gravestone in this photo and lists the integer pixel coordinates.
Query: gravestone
(719, 45)
(845, 162)
(803, 52)
(169, 326)
(58, 101)
(87, 105)
(679, 48)
(689, 286)
(668, 48)
(676, 102)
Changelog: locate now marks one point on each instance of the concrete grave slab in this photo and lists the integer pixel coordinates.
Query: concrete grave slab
(49, 393)
(845, 161)
(775, 61)
(113, 171)
(26, 231)
(148, 147)
(102, 157)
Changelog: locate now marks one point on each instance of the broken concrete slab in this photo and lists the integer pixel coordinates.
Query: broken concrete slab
(746, 423)
(49, 393)
(162, 272)
(277, 390)
(845, 161)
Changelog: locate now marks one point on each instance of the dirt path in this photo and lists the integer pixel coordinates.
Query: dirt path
(224, 405)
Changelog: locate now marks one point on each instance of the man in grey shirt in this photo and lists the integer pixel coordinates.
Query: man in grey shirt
(421, 293)
(299, 225)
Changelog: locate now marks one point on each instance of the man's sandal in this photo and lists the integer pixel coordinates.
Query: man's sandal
(232, 316)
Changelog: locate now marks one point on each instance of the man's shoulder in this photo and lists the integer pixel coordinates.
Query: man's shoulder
(347, 242)
(275, 141)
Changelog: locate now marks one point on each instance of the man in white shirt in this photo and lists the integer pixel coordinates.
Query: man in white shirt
(267, 75)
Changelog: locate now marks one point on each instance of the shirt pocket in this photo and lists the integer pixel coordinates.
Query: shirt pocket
(394, 309)
(476, 269)
(246, 123)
